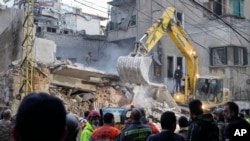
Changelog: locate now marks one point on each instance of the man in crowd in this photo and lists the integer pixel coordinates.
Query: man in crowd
(107, 132)
(136, 131)
(5, 126)
(91, 125)
(219, 118)
(73, 127)
(40, 117)
(202, 127)
(168, 125)
(183, 124)
(234, 124)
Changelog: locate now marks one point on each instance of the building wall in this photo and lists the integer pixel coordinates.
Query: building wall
(76, 48)
(204, 34)
(90, 25)
(10, 36)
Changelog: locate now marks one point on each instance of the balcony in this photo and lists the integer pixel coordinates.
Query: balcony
(118, 3)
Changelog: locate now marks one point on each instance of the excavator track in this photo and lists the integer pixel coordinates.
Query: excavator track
(134, 69)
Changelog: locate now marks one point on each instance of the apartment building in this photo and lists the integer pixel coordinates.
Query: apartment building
(220, 36)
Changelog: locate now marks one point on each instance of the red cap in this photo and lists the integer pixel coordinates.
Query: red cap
(94, 113)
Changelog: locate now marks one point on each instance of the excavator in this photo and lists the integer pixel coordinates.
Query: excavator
(135, 68)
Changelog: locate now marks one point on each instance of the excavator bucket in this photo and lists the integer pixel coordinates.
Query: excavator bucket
(134, 69)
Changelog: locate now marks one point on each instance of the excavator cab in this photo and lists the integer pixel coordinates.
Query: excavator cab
(209, 89)
(121, 115)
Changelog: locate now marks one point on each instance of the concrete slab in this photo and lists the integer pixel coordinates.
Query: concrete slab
(86, 74)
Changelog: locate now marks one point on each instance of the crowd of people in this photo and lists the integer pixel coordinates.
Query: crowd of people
(42, 117)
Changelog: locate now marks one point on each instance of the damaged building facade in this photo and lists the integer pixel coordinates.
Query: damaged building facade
(63, 40)
(222, 51)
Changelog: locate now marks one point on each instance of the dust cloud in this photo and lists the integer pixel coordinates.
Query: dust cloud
(108, 56)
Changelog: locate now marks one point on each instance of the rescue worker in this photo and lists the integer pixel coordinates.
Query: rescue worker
(177, 77)
(107, 132)
(145, 121)
(91, 125)
(89, 58)
(136, 131)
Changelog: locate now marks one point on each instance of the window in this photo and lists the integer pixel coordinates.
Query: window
(170, 66)
(219, 56)
(50, 29)
(219, 7)
(132, 20)
(58, 58)
(180, 18)
(230, 55)
(238, 7)
(215, 6)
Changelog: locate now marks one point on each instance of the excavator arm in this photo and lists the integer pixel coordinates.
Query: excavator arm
(135, 67)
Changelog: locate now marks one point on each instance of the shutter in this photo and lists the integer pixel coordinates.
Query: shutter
(225, 48)
(245, 56)
(236, 55)
(242, 8)
(211, 56)
(236, 7)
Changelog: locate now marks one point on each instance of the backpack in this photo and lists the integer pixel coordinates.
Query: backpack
(209, 131)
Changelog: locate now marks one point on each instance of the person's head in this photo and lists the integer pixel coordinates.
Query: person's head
(109, 119)
(183, 122)
(94, 117)
(73, 128)
(218, 115)
(230, 111)
(40, 117)
(135, 115)
(7, 114)
(168, 121)
(247, 112)
(195, 108)
(86, 114)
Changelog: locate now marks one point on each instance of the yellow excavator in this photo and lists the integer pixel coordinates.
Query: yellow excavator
(135, 68)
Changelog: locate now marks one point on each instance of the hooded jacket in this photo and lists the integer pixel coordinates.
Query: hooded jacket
(87, 132)
(202, 128)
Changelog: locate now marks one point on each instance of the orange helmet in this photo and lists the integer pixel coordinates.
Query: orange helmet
(94, 113)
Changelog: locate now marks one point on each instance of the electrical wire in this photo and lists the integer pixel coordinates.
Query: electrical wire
(214, 14)
(194, 26)
(90, 6)
(94, 4)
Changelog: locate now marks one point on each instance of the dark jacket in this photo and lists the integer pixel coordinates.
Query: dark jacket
(165, 136)
(135, 132)
(236, 124)
(203, 128)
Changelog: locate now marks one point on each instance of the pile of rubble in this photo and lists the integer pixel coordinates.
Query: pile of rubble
(76, 102)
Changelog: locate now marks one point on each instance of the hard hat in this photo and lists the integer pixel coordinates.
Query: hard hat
(94, 113)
